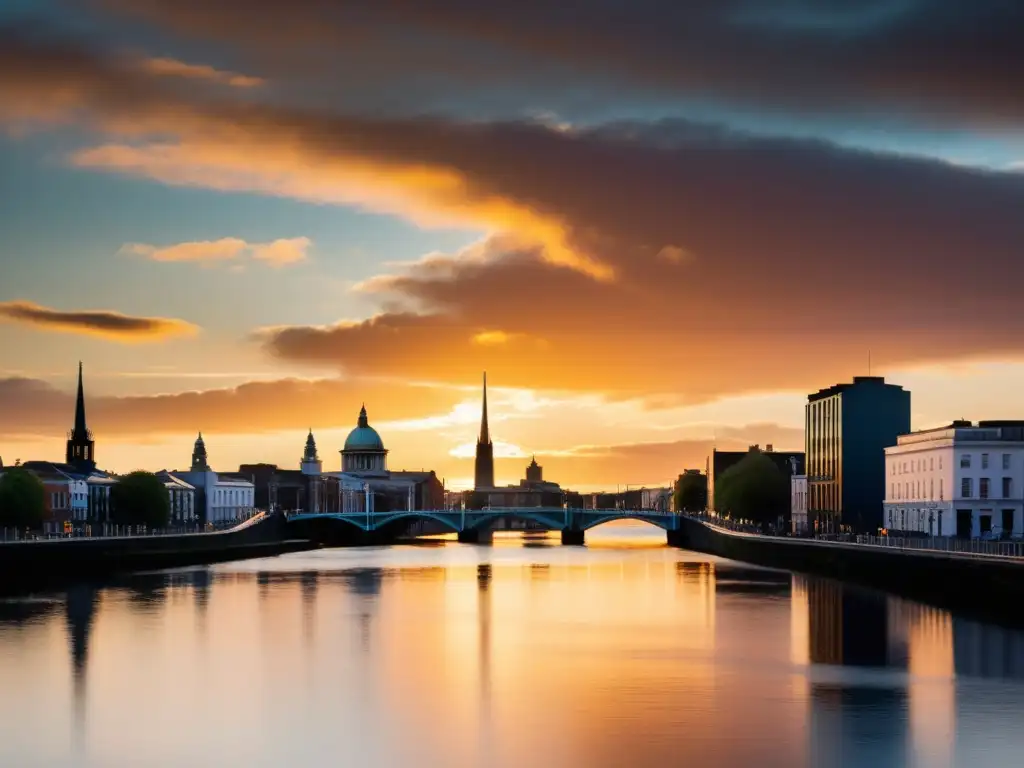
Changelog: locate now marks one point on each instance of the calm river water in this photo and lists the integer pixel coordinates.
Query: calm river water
(524, 653)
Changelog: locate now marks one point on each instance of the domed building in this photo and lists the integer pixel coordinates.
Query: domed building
(364, 452)
(364, 483)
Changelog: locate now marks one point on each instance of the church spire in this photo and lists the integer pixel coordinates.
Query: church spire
(81, 430)
(484, 469)
(80, 445)
(485, 434)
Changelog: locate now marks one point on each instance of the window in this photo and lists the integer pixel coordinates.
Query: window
(984, 461)
(965, 461)
(1007, 487)
(983, 488)
(966, 489)
(1006, 461)
(931, 491)
(931, 464)
(940, 462)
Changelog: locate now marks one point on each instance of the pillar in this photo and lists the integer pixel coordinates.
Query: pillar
(475, 536)
(572, 537)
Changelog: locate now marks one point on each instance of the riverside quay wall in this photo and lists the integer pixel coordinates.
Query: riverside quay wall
(985, 587)
(53, 563)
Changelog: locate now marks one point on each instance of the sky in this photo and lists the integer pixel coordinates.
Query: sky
(656, 225)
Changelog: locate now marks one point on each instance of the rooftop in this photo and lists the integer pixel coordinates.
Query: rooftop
(858, 381)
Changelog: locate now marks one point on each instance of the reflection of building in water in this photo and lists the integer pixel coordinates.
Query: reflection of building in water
(309, 584)
(983, 650)
(846, 626)
(855, 726)
(698, 587)
(80, 610)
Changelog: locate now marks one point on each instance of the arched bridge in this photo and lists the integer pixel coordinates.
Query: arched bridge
(475, 525)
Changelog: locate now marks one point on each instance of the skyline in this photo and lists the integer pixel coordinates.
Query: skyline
(239, 234)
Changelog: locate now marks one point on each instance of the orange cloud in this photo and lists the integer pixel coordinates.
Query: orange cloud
(33, 407)
(724, 262)
(277, 253)
(104, 323)
(175, 68)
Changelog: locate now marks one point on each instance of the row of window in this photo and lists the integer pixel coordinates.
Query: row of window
(61, 500)
(965, 461)
(916, 489)
(914, 465)
(919, 465)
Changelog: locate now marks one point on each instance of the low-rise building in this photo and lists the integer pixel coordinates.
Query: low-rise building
(961, 480)
(798, 504)
(182, 499)
(219, 498)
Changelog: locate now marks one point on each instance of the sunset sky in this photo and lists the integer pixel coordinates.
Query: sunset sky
(657, 225)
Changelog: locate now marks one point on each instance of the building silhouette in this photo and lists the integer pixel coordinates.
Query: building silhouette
(81, 449)
(483, 475)
(848, 428)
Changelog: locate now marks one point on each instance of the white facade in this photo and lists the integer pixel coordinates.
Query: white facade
(224, 498)
(798, 503)
(961, 480)
(182, 499)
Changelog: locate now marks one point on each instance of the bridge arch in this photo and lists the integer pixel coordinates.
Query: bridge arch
(481, 518)
(394, 520)
(664, 522)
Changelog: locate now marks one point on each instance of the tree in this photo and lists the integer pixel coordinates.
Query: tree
(140, 498)
(691, 492)
(22, 499)
(753, 489)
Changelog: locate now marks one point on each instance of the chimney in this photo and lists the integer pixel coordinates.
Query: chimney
(768, 448)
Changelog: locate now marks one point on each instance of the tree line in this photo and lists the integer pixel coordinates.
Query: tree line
(754, 489)
(136, 499)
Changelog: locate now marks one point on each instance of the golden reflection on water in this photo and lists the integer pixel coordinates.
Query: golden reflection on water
(524, 653)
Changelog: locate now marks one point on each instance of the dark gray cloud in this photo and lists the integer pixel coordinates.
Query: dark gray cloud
(950, 59)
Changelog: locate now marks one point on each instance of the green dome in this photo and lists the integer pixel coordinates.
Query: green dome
(363, 437)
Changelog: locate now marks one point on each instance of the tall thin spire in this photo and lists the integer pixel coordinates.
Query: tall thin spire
(80, 429)
(485, 434)
(484, 469)
(80, 451)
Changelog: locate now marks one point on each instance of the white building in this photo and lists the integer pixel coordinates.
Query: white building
(182, 498)
(220, 498)
(798, 504)
(961, 480)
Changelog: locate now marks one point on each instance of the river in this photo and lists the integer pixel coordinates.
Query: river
(524, 653)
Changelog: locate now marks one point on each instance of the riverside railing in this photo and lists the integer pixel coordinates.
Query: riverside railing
(109, 531)
(950, 545)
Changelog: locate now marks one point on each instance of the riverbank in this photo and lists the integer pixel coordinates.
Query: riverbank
(56, 563)
(984, 587)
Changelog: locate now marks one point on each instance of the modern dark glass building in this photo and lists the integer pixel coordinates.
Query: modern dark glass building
(848, 428)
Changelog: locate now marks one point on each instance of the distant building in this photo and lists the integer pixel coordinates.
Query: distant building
(789, 463)
(532, 491)
(848, 427)
(307, 489)
(66, 496)
(798, 504)
(483, 470)
(366, 483)
(220, 498)
(960, 480)
(182, 499)
(88, 489)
